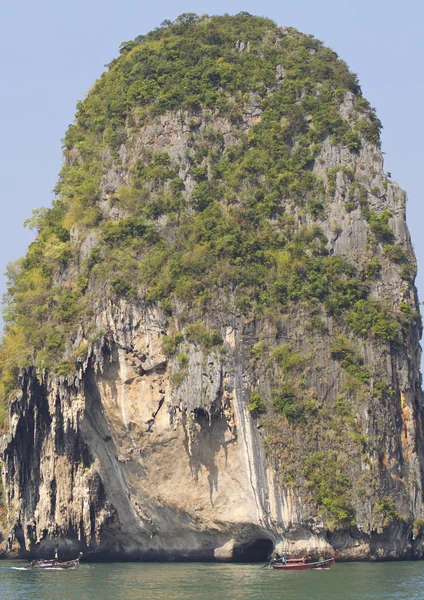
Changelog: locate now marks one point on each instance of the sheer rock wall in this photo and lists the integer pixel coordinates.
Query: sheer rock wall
(123, 462)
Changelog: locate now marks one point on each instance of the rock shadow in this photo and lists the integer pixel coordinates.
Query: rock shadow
(208, 439)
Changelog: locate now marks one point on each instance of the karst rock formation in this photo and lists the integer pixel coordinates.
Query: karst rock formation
(212, 346)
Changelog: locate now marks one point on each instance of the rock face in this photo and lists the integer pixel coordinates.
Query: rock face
(154, 447)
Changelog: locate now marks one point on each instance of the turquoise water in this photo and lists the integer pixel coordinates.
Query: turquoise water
(190, 581)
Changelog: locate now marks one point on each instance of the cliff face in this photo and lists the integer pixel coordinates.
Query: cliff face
(220, 395)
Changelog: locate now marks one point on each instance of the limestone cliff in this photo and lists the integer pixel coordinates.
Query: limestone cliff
(222, 356)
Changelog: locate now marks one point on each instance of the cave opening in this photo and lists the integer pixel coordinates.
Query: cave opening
(202, 417)
(255, 551)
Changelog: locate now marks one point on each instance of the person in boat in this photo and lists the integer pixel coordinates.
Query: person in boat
(279, 558)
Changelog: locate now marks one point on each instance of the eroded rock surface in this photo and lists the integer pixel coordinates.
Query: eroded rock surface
(152, 454)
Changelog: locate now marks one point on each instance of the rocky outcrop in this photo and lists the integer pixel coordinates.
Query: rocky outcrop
(121, 462)
(153, 449)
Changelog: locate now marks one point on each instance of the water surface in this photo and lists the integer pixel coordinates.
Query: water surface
(193, 581)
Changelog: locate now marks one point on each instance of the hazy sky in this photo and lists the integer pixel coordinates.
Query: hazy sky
(51, 52)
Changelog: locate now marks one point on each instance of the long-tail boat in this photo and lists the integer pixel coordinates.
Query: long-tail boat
(55, 564)
(300, 564)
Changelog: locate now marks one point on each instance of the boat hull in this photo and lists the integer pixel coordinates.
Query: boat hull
(304, 566)
(55, 564)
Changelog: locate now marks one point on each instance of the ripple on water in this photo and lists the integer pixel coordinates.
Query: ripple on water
(195, 581)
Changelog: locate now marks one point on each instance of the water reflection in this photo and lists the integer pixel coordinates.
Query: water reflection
(194, 581)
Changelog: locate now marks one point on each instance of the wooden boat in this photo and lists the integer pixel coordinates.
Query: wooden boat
(300, 564)
(55, 564)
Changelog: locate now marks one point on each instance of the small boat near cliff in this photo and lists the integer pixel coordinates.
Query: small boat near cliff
(54, 563)
(300, 564)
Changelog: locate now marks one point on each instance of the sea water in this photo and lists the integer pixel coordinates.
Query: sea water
(200, 581)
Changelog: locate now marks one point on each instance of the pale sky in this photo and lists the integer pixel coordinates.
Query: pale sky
(51, 52)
